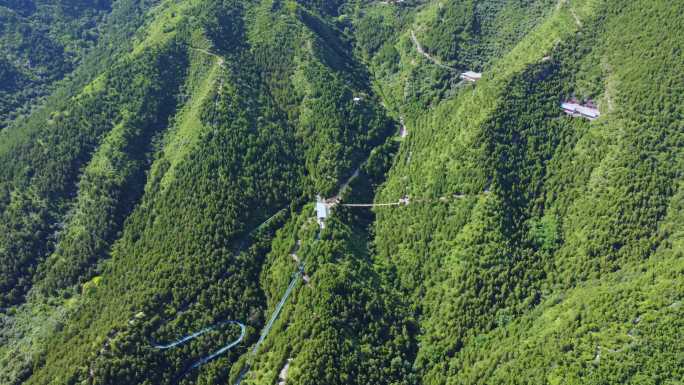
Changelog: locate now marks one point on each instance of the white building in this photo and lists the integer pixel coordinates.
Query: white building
(471, 76)
(322, 210)
(575, 109)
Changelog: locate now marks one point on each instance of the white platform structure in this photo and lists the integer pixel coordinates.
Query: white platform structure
(471, 76)
(573, 108)
(322, 211)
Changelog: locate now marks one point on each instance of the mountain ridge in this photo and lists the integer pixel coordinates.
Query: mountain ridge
(134, 200)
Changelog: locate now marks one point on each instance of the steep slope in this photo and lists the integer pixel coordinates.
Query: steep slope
(570, 202)
(49, 45)
(177, 181)
(156, 218)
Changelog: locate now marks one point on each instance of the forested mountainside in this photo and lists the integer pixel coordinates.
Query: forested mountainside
(161, 162)
(46, 42)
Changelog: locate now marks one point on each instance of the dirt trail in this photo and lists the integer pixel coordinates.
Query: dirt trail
(577, 19)
(282, 376)
(560, 5)
(221, 62)
(422, 51)
(610, 86)
(337, 197)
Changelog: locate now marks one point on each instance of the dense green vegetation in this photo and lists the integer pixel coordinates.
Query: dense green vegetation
(553, 224)
(41, 42)
(160, 159)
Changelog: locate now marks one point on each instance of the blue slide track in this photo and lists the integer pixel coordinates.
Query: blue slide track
(277, 310)
(190, 337)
